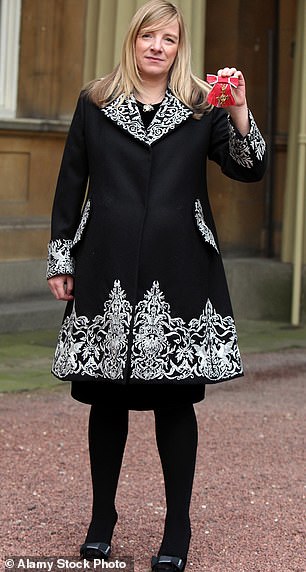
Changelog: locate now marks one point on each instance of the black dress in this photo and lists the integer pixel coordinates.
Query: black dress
(137, 397)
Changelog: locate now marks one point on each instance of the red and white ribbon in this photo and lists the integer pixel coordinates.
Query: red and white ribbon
(221, 95)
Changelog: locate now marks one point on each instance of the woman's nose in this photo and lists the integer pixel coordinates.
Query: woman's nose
(156, 44)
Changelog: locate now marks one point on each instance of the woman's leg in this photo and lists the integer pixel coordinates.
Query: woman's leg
(107, 432)
(177, 439)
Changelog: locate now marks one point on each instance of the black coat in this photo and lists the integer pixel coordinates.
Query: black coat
(151, 299)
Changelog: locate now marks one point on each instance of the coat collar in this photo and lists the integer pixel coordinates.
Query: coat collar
(171, 113)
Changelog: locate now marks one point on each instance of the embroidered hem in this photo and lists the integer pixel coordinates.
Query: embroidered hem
(163, 346)
(96, 347)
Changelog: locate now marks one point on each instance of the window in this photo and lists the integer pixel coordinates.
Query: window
(10, 11)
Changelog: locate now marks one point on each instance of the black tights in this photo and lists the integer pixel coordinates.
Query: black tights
(176, 437)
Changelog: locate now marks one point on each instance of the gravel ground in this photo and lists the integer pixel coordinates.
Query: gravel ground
(248, 491)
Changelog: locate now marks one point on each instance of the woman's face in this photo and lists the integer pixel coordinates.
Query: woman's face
(156, 50)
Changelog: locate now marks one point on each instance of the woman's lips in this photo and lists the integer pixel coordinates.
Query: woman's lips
(152, 59)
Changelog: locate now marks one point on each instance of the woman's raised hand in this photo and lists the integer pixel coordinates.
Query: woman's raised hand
(239, 111)
(239, 93)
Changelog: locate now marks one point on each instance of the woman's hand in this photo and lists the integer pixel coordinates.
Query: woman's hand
(239, 111)
(62, 287)
(239, 94)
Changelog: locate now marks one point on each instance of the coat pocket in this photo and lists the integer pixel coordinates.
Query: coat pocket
(202, 226)
(82, 225)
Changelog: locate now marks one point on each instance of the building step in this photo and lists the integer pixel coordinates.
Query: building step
(260, 290)
(24, 238)
(30, 314)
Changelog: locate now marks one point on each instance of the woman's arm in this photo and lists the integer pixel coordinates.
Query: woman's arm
(238, 112)
(236, 143)
(67, 206)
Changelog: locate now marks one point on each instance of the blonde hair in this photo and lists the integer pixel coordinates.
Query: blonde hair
(125, 78)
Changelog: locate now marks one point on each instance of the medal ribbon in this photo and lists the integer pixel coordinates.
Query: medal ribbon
(221, 94)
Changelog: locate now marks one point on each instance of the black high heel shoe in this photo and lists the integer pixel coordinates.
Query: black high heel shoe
(167, 564)
(93, 550)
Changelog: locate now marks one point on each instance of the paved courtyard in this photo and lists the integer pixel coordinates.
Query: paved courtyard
(247, 507)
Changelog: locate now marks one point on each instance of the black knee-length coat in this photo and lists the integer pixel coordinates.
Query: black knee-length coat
(151, 299)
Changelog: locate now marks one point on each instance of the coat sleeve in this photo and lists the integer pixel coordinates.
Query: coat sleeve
(69, 196)
(240, 158)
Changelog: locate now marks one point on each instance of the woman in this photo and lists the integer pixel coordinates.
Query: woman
(148, 321)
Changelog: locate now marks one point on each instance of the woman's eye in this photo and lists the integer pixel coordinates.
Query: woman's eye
(171, 40)
(147, 35)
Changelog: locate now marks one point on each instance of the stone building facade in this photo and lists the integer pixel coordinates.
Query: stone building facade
(51, 48)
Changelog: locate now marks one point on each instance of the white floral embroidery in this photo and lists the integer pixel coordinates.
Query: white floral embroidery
(96, 347)
(163, 347)
(202, 226)
(126, 114)
(256, 140)
(170, 114)
(60, 260)
(166, 347)
(83, 222)
(240, 149)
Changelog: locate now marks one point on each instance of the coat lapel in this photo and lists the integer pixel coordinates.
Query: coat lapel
(171, 113)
